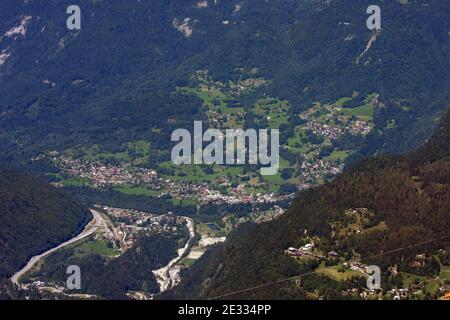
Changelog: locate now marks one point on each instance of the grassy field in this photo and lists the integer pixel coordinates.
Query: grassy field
(96, 247)
(432, 286)
(188, 262)
(342, 101)
(185, 202)
(195, 173)
(409, 279)
(138, 190)
(74, 182)
(275, 112)
(445, 272)
(337, 155)
(135, 153)
(364, 112)
(276, 180)
(250, 190)
(69, 181)
(209, 97)
(333, 273)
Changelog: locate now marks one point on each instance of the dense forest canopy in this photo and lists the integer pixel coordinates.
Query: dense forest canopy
(104, 83)
(34, 217)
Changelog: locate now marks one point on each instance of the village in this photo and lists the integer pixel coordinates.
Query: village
(118, 229)
(100, 176)
(129, 224)
(333, 265)
(324, 123)
(334, 132)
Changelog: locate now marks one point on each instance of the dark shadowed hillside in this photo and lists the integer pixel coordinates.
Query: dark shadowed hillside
(33, 218)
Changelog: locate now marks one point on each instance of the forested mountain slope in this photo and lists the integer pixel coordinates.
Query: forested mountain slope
(104, 83)
(406, 200)
(34, 217)
(130, 75)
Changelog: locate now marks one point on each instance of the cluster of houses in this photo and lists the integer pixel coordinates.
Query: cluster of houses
(236, 88)
(307, 250)
(41, 286)
(330, 131)
(130, 223)
(245, 85)
(304, 251)
(314, 169)
(103, 175)
(415, 290)
(236, 196)
(356, 266)
(360, 128)
(269, 215)
(413, 293)
(333, 132)
(402, 293)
